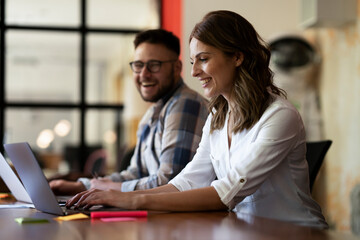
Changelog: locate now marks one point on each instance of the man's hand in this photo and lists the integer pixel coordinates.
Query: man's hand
(105, 184)
(63, 187)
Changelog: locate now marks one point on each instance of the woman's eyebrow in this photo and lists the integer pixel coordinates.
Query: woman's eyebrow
(200, 53)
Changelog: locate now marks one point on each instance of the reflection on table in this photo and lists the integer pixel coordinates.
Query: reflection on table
(160, 225)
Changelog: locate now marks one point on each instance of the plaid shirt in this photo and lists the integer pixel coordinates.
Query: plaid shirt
(167, 138)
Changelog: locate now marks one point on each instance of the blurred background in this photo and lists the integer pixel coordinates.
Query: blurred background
(66, 86)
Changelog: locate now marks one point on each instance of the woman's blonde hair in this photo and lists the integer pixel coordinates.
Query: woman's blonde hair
(233, 34)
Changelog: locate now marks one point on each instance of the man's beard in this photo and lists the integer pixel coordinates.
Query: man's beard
(163, 91)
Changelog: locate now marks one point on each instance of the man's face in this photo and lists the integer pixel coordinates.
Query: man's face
(152, 86)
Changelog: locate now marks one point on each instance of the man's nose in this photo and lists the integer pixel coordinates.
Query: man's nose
(145, 72)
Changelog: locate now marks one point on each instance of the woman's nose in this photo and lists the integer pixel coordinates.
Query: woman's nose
(194, 70)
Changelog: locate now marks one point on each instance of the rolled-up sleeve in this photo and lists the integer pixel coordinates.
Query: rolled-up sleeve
(254, 161)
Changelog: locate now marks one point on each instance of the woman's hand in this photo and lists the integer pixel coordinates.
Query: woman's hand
(110, 197)
(164, 198)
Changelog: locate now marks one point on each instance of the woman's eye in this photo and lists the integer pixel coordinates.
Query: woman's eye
(203, 59)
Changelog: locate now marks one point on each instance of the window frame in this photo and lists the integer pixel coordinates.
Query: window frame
(81, 106)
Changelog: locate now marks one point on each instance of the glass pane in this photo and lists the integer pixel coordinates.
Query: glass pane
(134, 14)
(108, 67)
(42, 66)
(104, 128)
(49, 133)
(43, 12)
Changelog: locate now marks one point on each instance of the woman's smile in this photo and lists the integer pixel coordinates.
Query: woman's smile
(204, 81)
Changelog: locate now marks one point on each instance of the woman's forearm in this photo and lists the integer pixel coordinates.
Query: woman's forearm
(203, 199)
(165, 198)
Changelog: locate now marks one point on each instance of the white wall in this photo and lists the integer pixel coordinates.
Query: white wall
(268, 17)
(339, 91)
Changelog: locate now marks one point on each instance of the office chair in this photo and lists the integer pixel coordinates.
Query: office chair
(126, 159)
(315, 154)
(96, 163)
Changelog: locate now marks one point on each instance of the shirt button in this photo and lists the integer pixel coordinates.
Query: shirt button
(242, 180)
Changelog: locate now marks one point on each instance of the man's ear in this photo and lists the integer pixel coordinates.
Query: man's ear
(178, 66)
(239, 58)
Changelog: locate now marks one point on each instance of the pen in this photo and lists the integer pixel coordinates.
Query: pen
(95, 175)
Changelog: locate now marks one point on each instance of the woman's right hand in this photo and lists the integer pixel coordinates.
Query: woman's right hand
(113, 198)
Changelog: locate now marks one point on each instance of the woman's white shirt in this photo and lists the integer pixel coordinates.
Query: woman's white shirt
(264, 173)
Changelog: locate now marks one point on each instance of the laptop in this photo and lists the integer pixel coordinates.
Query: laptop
(35, 181)
(13, 182)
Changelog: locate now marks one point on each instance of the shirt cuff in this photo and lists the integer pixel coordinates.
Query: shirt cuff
(115, 177)
(85, 182)
(227, 191)
(180, 185)
(129, 186)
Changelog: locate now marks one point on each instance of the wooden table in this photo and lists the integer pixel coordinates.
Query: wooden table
(158, 226)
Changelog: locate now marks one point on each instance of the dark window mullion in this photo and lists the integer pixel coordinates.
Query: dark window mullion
(82, 81)
(72, 29)
(2, 75)
(41, 28)
(64, 105)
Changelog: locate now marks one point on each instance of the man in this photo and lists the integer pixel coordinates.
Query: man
(169, 132)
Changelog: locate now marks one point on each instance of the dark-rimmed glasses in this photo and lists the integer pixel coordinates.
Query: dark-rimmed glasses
(152, 66)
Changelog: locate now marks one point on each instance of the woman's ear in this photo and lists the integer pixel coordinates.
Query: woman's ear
(239, 57)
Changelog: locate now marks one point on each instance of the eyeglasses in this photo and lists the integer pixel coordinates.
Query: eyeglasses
(152, 66)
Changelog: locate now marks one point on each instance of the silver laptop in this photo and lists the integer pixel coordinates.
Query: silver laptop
(34, 179)
(13, 182)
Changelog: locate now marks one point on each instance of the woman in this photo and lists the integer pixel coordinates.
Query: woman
(251, 158)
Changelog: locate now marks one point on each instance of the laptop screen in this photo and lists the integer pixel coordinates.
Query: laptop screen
(33, 177)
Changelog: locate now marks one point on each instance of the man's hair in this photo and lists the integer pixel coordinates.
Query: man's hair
(159, 36)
